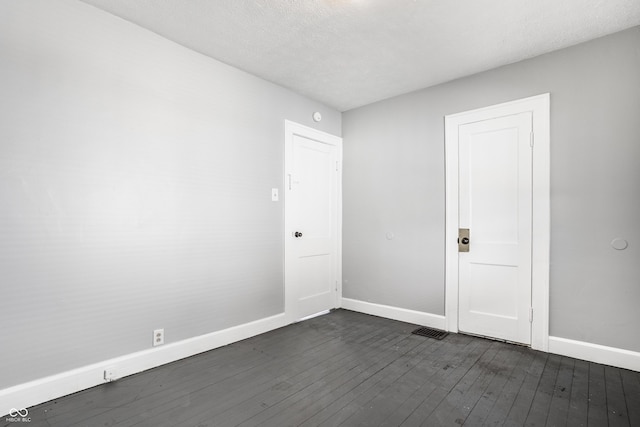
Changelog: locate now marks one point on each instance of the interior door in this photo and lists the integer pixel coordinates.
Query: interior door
(495, 202)
(311, 221)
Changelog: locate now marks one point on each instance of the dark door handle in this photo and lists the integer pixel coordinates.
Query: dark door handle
(297, 234)
(464, 240)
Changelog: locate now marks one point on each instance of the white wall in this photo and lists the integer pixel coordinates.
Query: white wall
(135, 183)
(394, 182)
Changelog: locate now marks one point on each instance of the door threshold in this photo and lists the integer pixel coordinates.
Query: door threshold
(495, 339)
(311, 316)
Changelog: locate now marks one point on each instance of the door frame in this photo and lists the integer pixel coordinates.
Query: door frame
(290, 130)
(539, 106)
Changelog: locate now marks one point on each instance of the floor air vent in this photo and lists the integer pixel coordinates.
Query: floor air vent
(431, 333)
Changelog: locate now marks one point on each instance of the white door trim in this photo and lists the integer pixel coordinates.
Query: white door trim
(291, 129)
(541, 218)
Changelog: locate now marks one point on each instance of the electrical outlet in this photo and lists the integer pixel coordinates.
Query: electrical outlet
(158, 337)
(110, 374)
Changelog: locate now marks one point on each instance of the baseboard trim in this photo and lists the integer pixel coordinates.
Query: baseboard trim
(49, 388)
(395, 313)
(595, 353)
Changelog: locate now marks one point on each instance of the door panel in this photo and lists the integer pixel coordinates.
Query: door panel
(312, 204)
(312, 190)
(495, 166)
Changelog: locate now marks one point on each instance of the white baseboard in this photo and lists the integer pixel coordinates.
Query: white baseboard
(395, 313)
(49, 388)
(595, 353)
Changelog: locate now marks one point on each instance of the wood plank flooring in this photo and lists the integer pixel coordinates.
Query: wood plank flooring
(351, 369)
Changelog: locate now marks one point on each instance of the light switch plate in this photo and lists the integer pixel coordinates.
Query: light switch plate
(274, 195)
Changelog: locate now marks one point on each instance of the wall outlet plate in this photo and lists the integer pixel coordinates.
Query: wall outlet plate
(158, 337)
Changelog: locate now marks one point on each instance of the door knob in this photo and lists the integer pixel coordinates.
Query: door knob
(465, 241)
(297, 234)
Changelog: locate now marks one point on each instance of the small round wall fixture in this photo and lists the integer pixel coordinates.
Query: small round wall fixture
(619, 244)
(317, 116)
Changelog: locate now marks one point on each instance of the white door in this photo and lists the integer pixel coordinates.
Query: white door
(312, 215)
(495, 191)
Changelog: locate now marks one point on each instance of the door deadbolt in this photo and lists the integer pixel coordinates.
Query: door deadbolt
(463, 240)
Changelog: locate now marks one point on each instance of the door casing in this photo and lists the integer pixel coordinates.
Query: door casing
(539, 106)
(292, 129)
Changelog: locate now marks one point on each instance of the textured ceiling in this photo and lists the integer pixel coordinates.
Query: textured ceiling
(348, 53)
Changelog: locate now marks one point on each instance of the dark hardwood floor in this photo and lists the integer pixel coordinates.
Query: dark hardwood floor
(352, 369)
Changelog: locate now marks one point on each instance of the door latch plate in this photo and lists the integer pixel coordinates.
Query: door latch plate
(463, 240)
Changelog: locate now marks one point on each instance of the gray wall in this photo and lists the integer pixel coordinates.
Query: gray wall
(394, 182)
(135, 183)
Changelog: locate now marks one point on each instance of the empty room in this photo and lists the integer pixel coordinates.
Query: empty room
(294, 212)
